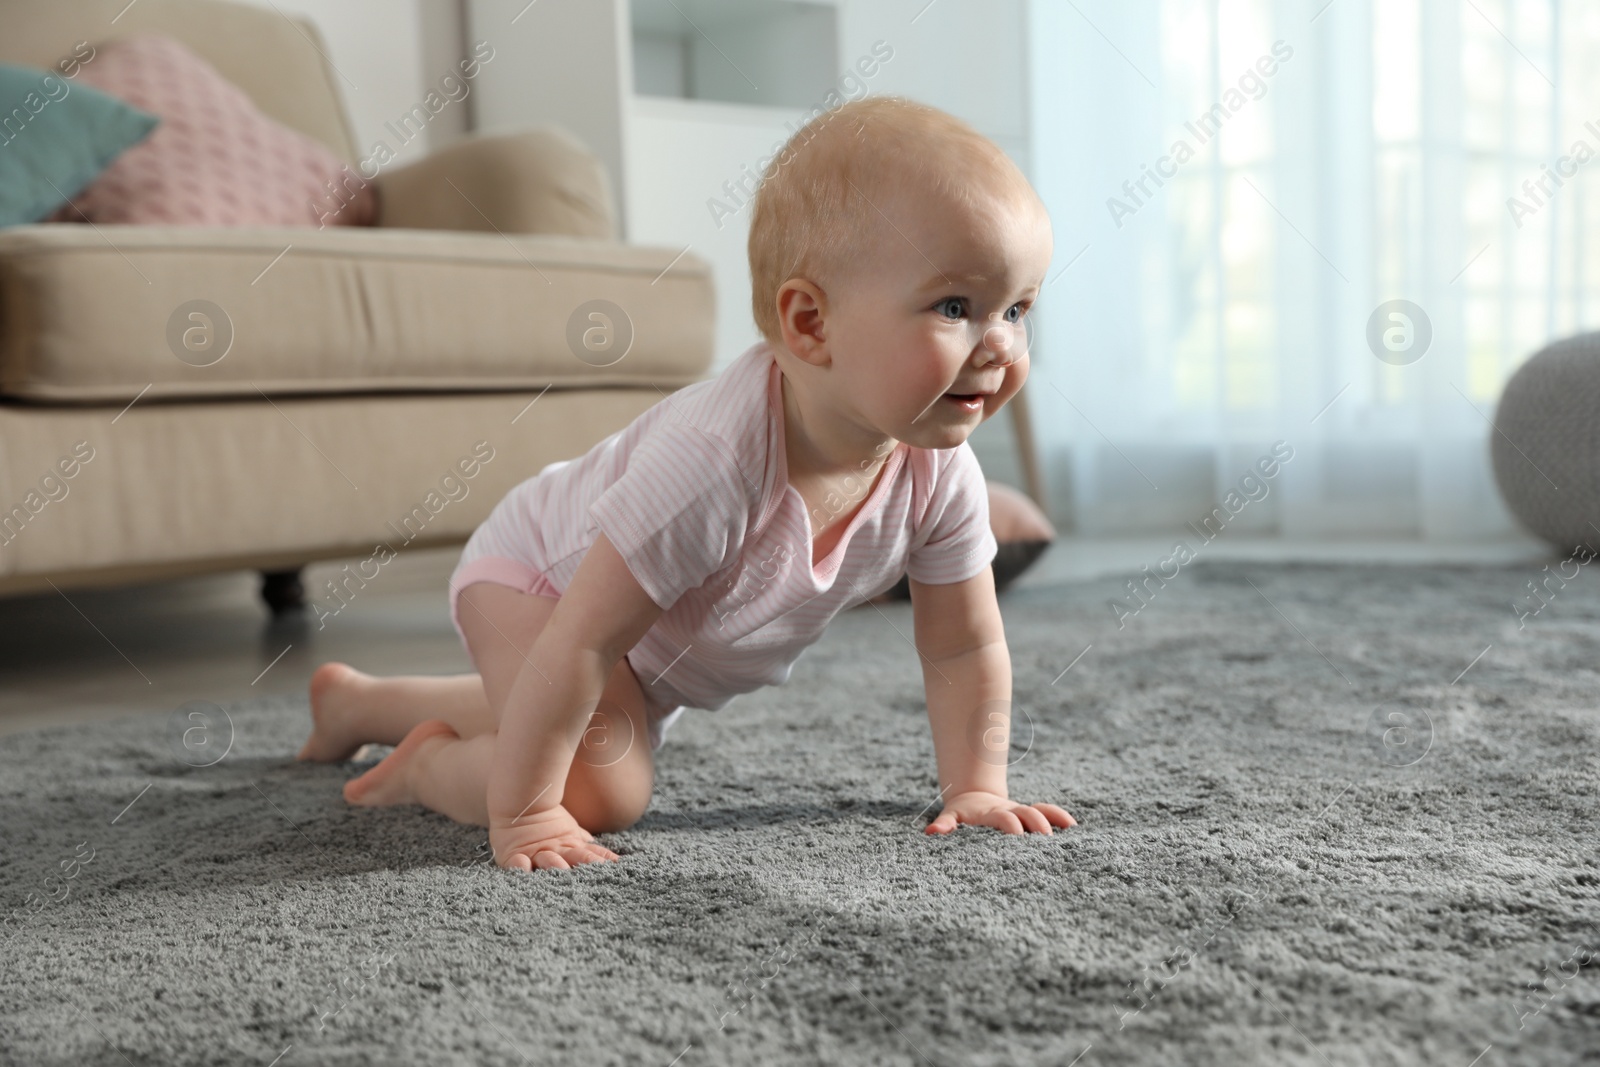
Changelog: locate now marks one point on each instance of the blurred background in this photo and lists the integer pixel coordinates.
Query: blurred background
(1187, 325)
(1334, 228)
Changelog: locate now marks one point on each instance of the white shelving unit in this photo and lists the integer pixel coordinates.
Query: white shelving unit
(772, 53)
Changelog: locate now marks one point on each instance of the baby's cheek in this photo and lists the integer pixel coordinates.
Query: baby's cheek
(1016, 375)
(929, 380)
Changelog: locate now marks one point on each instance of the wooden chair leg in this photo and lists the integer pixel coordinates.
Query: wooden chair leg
(1027, 454)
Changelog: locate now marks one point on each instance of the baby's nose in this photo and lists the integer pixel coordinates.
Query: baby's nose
(998, 339)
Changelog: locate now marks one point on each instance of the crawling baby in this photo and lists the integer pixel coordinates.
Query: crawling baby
(695, 554)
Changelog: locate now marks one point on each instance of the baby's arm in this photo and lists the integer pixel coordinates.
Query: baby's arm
(966, 672)
(602, 614)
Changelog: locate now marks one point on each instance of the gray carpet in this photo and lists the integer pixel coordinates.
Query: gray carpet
(1261, 874)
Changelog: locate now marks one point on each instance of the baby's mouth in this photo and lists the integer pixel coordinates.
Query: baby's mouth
(969, 395)
(967, 401)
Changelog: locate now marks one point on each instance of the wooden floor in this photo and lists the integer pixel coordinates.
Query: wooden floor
(91, 655)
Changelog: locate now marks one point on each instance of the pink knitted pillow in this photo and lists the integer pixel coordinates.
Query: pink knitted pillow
(215, 159)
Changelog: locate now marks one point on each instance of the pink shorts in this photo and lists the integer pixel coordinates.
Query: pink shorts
(525, 579)
(517, 575)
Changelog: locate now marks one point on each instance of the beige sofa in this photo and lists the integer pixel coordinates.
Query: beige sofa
(369, 369)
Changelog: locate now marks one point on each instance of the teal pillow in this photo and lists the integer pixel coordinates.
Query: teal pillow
(56, 138)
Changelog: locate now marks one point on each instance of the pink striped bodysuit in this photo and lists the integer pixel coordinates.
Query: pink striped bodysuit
(695, 496)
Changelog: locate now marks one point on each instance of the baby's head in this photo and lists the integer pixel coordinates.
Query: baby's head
(893, 253)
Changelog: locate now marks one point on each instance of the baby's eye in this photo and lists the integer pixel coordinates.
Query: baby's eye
(946, 302)
(1019, 309)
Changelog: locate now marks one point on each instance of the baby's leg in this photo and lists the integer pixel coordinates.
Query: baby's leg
(349, 708)
(608, 785)
(433, 767)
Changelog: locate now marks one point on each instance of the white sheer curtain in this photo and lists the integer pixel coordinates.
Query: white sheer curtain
(1364, 151)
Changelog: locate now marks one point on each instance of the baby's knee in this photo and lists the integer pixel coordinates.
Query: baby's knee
(604, 804)
(606, 817)
(614, 818)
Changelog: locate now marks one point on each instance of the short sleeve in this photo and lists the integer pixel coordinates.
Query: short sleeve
(677, 512)
(954, 542)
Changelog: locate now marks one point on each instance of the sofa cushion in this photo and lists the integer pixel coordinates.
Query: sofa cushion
(106, 315)
(55, 138)
(215, 160)
(174, 489)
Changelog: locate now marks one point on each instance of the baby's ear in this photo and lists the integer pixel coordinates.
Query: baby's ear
(801, 307)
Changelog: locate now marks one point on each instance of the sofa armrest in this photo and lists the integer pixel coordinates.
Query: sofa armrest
(539, 181)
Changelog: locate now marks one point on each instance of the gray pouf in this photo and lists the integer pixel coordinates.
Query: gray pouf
(1547, 450)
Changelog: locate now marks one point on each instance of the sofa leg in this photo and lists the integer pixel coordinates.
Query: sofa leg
(282, 591)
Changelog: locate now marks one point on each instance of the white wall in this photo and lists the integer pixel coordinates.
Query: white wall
(967, 57)
(565, 64)
(681, 156)
(387, 55)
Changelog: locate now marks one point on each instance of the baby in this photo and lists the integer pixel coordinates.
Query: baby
(695, 554)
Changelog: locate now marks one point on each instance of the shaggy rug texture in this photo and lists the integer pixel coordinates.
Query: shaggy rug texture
(1330, 815)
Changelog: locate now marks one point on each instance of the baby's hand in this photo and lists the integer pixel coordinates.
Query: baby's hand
(992, 809)
(544, 839)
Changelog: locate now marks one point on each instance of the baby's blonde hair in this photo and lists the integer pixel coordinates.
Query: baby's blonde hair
(822, 198)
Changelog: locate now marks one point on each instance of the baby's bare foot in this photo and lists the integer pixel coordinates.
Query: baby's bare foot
(390, 781)
(334, 688)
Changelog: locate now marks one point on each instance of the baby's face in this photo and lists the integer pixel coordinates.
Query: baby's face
(939, 310)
